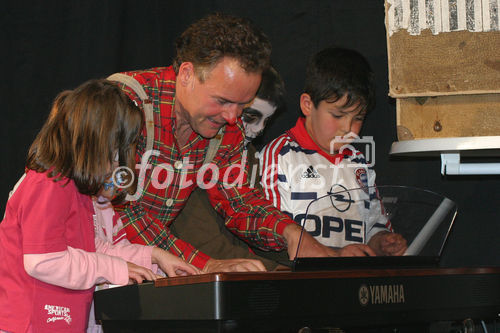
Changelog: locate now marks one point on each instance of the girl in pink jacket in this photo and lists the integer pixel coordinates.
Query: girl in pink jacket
(50, 257)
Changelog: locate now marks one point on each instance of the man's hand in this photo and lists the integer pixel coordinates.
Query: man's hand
(233, 265)
(387, 243)
(309, 247)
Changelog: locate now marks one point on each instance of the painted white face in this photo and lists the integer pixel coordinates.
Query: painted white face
(255, 116)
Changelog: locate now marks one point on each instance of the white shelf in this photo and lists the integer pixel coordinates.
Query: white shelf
(476, 145)
(451, 149)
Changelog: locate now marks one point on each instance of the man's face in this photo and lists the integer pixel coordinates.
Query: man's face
(331, 120)
(255, 117)
(218, 100)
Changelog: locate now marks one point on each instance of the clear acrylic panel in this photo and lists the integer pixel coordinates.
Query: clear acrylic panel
(424, 218)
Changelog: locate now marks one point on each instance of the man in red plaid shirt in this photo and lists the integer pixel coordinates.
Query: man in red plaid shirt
(216, 72)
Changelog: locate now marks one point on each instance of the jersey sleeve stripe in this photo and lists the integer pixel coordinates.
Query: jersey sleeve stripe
(270, 170)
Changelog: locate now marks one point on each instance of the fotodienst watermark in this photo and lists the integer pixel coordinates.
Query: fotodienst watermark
(235, 175)
(353, 142)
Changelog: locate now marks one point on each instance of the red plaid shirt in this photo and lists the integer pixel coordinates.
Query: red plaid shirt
(173, 174)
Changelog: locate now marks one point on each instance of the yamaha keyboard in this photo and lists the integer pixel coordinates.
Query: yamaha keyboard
(288, 301)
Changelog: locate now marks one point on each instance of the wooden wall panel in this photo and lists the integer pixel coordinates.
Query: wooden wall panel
(443, 47)
(448, 116)
(458, 62)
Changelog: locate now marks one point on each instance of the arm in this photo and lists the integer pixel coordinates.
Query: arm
(65, 268)
(147, 220)
(251, 216)
(309, 246)
(200, 225)
(149, 257)
(247, 213)
(150, 225)
(134, 253)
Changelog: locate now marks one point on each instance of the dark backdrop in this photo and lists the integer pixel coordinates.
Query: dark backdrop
(54, 45)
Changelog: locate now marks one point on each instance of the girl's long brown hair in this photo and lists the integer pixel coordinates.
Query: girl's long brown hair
(85, 128)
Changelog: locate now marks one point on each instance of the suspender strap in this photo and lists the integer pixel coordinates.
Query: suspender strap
(147, 104)
(213, 146)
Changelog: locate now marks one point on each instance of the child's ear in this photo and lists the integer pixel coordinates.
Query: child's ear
(306, 104)
(186, 74)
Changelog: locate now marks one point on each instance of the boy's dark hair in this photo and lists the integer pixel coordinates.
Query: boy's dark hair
(335, 72)
(85, 128)
(207, 41)
(272, 88)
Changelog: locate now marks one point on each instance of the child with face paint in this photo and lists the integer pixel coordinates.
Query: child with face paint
(269, 98)
(198, 223)
(255, 118)
(50, 259)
